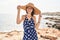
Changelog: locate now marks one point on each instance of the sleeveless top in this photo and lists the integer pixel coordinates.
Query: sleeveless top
(29, 29)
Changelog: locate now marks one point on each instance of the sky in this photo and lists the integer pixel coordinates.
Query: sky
(10, 6)
(8, 11)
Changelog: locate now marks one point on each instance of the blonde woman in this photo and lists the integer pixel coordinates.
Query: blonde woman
(29, 21)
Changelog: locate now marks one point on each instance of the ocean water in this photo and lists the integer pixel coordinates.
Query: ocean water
(8, 22)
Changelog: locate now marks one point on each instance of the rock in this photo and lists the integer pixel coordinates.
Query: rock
(43, 34)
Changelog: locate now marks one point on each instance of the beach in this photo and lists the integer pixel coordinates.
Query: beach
(43, 34)
(9, 30)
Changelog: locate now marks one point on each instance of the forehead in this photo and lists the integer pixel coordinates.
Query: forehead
(29, 7)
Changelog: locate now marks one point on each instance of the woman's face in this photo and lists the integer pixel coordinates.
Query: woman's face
(29, 9)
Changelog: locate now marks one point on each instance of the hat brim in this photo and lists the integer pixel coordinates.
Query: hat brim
(36, 10)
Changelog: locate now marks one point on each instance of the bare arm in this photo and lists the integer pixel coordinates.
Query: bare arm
(39, 19)
(18, 21)
(37, 23)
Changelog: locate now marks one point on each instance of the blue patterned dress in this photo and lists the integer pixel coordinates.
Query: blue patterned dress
(29, 29)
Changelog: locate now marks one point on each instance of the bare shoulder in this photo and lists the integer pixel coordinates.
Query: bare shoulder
(23, 16)
(34, 17)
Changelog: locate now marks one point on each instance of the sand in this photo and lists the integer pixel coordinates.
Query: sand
(43, 34)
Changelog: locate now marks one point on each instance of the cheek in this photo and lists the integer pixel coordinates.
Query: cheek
(31, 10)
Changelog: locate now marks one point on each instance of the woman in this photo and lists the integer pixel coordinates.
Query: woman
(29, 21)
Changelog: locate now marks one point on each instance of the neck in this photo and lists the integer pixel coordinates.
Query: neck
(29, 14)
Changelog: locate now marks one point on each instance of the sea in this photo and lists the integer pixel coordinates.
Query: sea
(8, 22)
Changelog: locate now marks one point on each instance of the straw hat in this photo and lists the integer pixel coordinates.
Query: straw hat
(36, 10)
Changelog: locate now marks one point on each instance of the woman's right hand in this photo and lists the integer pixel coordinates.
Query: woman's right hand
(18, 7)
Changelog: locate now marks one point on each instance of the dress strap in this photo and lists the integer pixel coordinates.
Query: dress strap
(25, 16)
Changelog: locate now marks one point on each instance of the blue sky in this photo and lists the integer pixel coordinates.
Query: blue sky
(9, 6)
